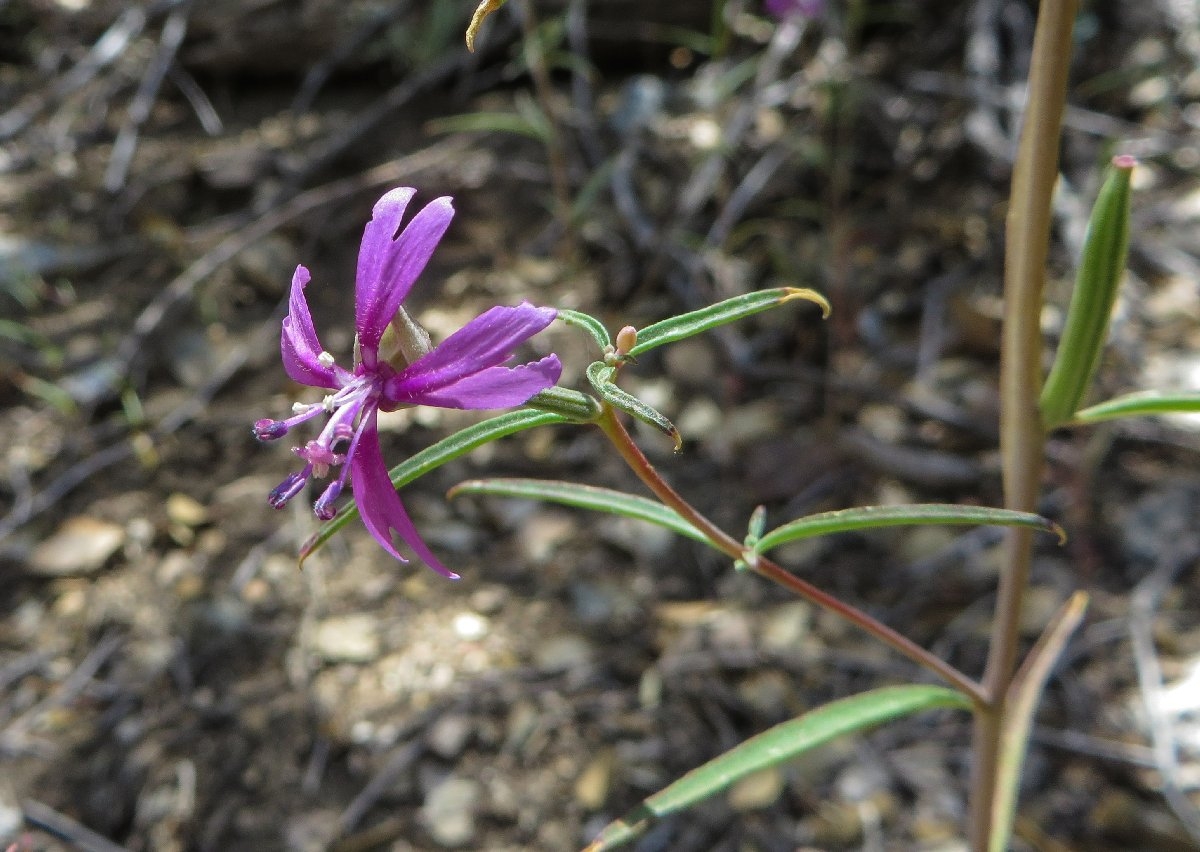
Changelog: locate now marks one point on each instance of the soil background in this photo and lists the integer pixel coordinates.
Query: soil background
(169, 678)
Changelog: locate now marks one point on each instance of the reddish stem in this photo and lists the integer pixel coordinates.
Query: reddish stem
(722, 541)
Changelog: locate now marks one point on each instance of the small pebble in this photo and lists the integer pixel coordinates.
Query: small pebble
(563, 653)
(448, 736)
(488, 600)
(82, 545)
(591, 788)
(470, 626)
(449, 812)
(347, 639)
(757, 790)
(543, 532)
(185, 511)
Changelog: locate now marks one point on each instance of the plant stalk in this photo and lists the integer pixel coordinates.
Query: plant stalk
(535, 60)
(1022, 436)
(722, 541)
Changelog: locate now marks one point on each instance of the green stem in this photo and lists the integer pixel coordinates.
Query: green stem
(1022, 435)
(722, 541)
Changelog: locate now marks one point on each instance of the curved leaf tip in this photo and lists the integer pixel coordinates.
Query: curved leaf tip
(793, 293)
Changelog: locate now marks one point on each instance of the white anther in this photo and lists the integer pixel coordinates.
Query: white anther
(325, 360)
(327, 404)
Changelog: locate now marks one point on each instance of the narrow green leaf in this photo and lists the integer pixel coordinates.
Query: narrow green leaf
(434, 456)
(1139, 405)
(599, 374)
(583, 497)
(774, 746)
(588, 323)
(1096, 285)
(1023, 696)
(869, 517)
(730, 310)
(488, 122)
(571, 404)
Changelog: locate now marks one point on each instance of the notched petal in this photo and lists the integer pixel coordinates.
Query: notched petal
(387, 272)
(298, 342)
(497, 387)
(380, 506)
(485, 342)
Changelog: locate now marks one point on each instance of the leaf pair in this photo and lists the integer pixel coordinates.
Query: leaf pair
(1101, 267)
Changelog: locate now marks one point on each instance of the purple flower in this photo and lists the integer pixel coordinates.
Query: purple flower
(465, 371)
(786, 8)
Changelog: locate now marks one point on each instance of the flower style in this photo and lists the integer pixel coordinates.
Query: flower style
(465, 371)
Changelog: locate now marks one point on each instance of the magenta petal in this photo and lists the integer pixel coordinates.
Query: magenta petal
(373, 251)
(387, 269)
(380, 505)
(497, 387)
(486, 341)
(299, 343)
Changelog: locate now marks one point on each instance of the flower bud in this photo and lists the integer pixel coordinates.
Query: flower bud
(324, 508)
(626, 340)
(269, 430)
(287, 489)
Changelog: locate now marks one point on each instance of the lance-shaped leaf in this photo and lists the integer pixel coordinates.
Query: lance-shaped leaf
(571, 404)
(871, 517)
(1022, 700)
(583, 497)
(774, 746)
(533, 126)
(600, 375)
(730, 310)
(1099, 277)
(1140, 404)
(588, 323)
(434, 456)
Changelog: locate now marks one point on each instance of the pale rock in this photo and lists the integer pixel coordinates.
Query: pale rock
(691, 361)
(592, 785)
(563, 653)
(347, 639)
(786, 626)
(448, 736)
(185, 511)
(449, 812)
(756, 790)
(82, 545)
(542, 533)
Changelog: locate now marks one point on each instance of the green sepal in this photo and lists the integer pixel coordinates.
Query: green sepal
(874, 517)
(432, 457)
(600, 375)
(583, 497)
(730, 310)
(588, 323)
(774, 746)
(1096, 284)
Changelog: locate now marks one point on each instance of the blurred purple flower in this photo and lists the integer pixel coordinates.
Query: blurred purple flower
(786, 8)
(465, 371)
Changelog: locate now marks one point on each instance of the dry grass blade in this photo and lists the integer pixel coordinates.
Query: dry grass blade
(1165, 741)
